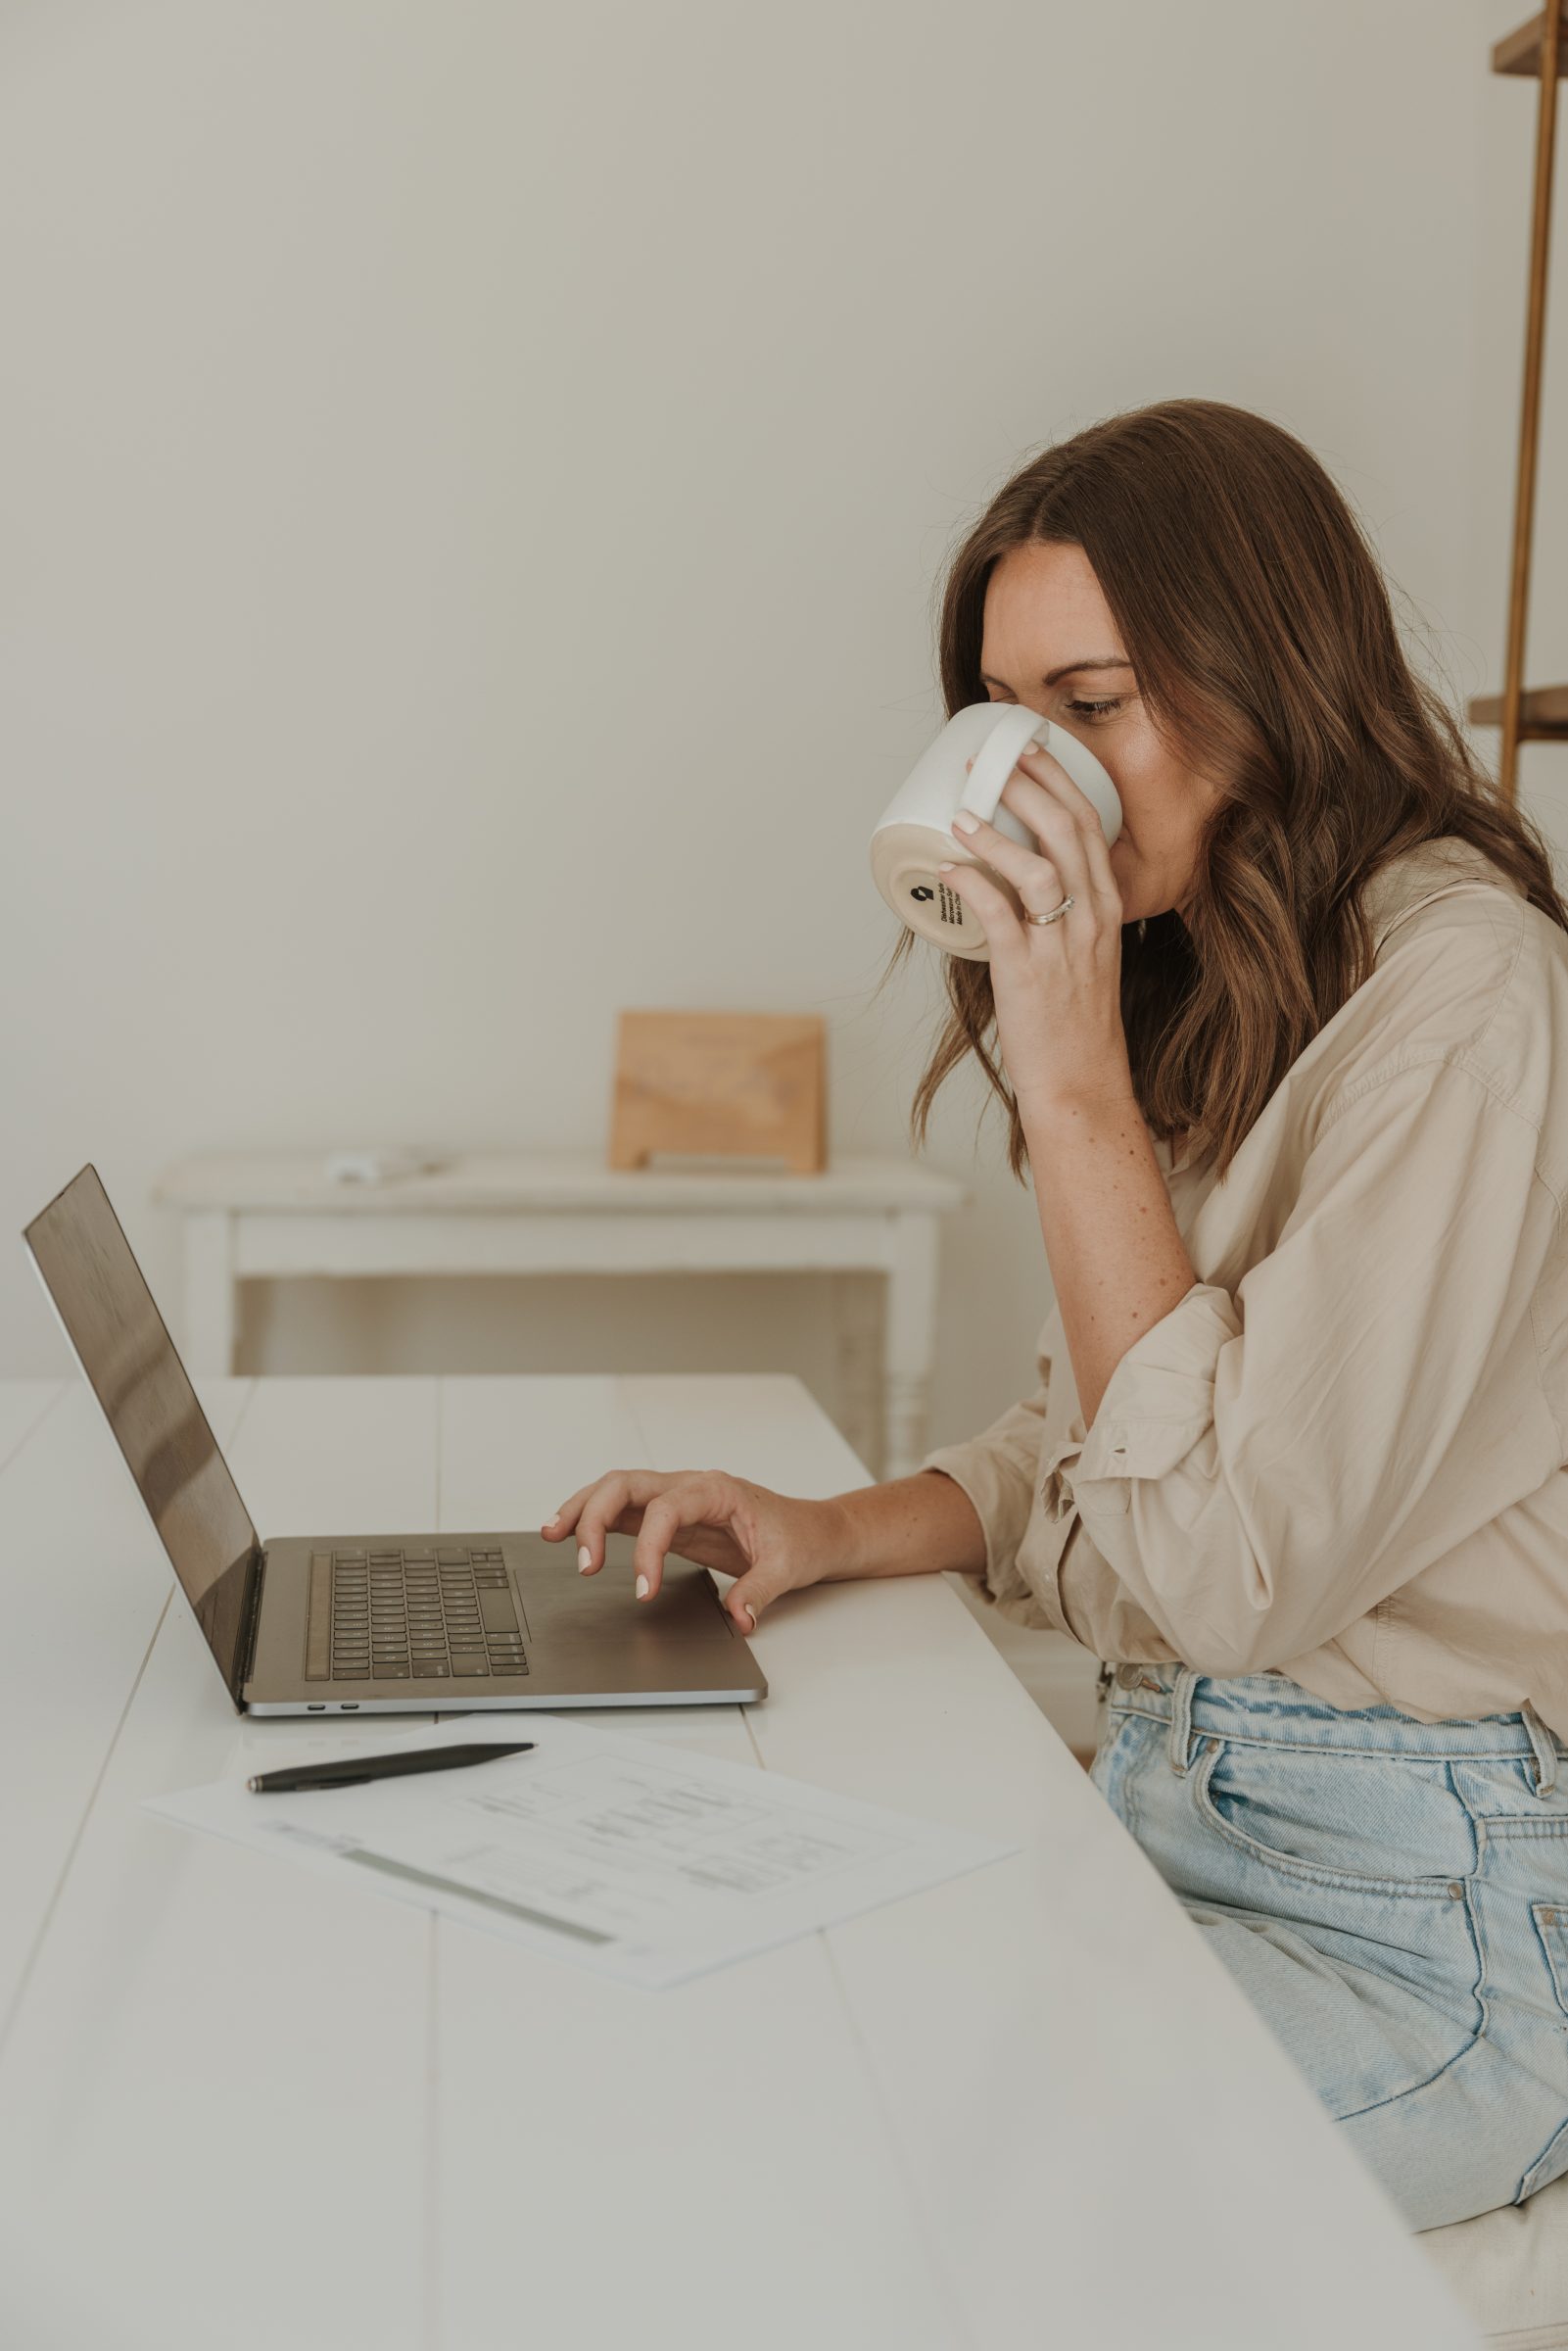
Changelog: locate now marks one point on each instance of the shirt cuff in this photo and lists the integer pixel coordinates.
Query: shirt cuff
(1157, 1403)
(1001, 1503)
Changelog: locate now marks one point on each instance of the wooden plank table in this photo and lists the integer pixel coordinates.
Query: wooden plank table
(241, 2106)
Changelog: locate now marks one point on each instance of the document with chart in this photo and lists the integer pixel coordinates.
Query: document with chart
(632, 1857)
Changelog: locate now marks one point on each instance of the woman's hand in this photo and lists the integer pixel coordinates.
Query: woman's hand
(1057, 985)
(770, 1543)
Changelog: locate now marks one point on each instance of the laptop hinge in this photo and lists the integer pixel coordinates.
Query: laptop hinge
(256, 1569)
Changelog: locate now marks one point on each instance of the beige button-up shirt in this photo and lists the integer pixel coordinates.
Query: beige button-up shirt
(1342, 1454)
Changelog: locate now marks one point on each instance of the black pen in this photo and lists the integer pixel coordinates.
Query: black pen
(353, 1770)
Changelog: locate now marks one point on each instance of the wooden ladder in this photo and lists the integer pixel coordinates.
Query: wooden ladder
(1541, 50)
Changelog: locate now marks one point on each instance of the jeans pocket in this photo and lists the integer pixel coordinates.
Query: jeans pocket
(1335, 1820)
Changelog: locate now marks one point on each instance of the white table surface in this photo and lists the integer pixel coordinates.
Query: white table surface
(241, 2106)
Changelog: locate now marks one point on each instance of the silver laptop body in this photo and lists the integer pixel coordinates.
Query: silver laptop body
(376, 1623)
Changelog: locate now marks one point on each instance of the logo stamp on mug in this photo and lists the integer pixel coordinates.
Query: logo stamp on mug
(913, 835)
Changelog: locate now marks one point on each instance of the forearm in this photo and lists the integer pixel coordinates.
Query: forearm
(1118, 1263)
(908, 1526)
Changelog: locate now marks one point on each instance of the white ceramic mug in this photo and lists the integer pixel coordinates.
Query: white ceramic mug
(913, 835)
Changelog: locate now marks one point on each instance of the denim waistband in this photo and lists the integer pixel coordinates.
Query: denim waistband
(1269, 1706)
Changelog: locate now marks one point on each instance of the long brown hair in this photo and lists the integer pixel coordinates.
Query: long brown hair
(1259, 625)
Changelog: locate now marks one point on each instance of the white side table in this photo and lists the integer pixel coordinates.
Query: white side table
(262, 1216)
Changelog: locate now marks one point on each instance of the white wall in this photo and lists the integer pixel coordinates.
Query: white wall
(476, 477)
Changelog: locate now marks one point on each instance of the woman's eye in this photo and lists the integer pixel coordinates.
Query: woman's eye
(1106, 708)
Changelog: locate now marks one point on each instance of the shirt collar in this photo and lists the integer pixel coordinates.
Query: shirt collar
(1416, 876)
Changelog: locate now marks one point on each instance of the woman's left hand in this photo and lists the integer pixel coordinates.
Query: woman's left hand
(1057, 985)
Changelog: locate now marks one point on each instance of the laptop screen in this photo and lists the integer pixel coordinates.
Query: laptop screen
(108, 1313)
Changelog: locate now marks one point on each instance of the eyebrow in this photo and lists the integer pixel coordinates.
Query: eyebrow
(1106, 662)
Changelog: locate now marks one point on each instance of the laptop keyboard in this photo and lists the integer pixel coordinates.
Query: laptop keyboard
(410, 1615)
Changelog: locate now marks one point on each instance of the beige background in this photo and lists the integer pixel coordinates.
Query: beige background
(476, 482)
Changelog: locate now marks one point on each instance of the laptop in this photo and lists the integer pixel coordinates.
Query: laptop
(384, 1623)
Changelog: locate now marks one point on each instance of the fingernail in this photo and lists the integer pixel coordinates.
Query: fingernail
(641, 1587)
(553, 1520)
(751, 1616)
(944, 869)
(965, 823)
(583, 1558)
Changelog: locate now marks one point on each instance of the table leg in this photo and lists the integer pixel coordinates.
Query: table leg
(210, 1291)
(862, 1417)
(910, 1346)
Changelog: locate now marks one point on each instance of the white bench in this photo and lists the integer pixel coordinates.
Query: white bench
(255, 1216)
(1509, 2269)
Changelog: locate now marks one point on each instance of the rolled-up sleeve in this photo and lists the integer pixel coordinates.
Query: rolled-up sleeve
(999, 1470)
(1267, 1465)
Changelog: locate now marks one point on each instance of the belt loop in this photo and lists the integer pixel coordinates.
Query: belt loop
(1181, 1719)
(1540, 1739)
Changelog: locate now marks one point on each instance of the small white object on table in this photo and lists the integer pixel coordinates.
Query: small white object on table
(1025, 2107)
(257, 1216)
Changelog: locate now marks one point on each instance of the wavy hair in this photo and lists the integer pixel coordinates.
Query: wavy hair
(1260, 628)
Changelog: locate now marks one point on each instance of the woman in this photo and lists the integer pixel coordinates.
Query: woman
(1289, 1064)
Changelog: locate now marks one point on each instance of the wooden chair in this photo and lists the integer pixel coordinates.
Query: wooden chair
(1510, 2267)
(1538, 50)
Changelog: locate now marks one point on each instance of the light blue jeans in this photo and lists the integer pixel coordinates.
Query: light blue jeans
(1392, 1896)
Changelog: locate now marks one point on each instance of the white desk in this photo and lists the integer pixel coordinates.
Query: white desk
(241, 2107)
(266, 1214)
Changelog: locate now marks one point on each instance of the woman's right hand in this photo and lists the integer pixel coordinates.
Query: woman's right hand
(770, 1543)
